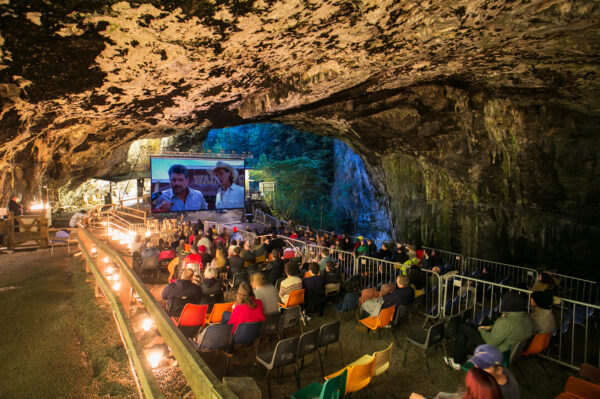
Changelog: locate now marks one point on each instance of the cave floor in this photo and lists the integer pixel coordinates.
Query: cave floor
(62, 342)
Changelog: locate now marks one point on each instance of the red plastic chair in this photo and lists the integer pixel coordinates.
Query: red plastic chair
(191, 316)
(580, 389)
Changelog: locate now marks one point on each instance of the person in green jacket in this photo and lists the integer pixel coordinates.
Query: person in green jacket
(509, 329)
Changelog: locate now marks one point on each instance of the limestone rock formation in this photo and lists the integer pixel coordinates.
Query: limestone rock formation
(477, 120)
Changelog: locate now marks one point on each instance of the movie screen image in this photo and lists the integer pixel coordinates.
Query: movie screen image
(196, 184)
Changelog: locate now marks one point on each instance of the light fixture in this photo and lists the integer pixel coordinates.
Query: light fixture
(154, 358)
(106, 259)
(147, 324)
(94, 250)
(117, 286)
(148, 233)
(109, 270)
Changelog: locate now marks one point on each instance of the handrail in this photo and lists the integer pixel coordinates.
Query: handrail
(203, 382)
(140, 365)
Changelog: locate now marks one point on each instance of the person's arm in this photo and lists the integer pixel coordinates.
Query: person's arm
(497, 334)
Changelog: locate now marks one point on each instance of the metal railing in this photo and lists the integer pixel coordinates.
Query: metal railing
(504, 273)
(445, 257)
(577, 289)
(201, 380)
(345, 260)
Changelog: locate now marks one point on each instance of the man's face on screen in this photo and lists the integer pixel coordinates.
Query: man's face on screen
(224, 177)
(178, 183)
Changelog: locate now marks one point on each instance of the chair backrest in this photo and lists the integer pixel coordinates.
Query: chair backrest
(247, 333)
(296, 298)
(278, 282)
(271, 324)
(150, 262)
(590, 372)
(435, 333)
(308, 343)
(516, 352)
(386, 289)
(215, 337)
(352, 284)
(359, 376)
(285, 352)
(238, 278)
(538, 344)
(290, 317)
(382, 360)
(581, 388)
(402, 312)
(217, 312)
(335, 387)
(350, 301)
(192, 315)
(386, 316)
(366, 294)
(329, 333)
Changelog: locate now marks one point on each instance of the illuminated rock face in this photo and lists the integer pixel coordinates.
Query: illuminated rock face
(477, 121)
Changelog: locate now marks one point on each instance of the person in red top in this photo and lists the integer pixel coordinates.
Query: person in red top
(247, 309)
(194, 257)
(167, 253)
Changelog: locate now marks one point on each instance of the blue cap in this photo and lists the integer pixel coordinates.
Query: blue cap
(486, 356)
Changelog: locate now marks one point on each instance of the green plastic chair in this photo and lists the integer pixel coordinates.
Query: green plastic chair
(333, 388)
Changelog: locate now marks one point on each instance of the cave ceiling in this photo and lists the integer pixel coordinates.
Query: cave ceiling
(462, 86)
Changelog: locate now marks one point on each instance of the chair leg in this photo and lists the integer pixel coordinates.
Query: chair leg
(268, 383)
(321, 363)
(405, 352)
(341, 351)
(426, 362)
(297, 375)
(544, 367)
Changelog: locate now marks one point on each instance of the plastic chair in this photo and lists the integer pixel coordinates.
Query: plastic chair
(386, 289)
(247, 333)
(359, 376)
(176, 304)
(376, 323)
(309, 343)
(238, 278)
(366, 294)
(150, 265)
(590, 372)
(296, 298)
(538, 344)
(581, 389)
(382, 360)
(333, 388)
(216, 337)
(290, 318)
(329, 333)
(193, 316)
(217, 312)
(271, 325)
(350, 302)
(424, 339)
(284, 355)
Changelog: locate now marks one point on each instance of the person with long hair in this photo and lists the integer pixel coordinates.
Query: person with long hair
(247, 309)
(220, 260)
(480, 384)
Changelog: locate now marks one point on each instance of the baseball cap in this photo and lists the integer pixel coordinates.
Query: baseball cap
(486, 356)
(235, 229)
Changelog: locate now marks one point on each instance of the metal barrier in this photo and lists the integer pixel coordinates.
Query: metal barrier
(200, 378)
(376, 271)
(445, 257)
(503, 273)
(346, 260)
(577, 289)
(298, 245)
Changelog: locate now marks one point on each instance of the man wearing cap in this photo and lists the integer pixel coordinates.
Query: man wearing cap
(236, 236)
(230, 195)
(180, 197)
(489, 359)
(541, 317)
(509, 329)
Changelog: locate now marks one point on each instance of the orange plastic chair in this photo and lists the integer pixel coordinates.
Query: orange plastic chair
(260, 259)
(187, 247)
(217, 312)
(191, 316)
(376, 322)
(538, 344)
(581, 389)
(382, 360)
(359, 376)
(296, 298)
(366, 294)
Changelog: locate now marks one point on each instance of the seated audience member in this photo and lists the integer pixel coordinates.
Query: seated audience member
(236, 236)
(193, 257)
(371, 248)
(247, 254)
(220, 260)
(400, 255)
(181, 247)
(206, 242)
(212, 287)
(489, 359)
(291, 283)
(274, 268)
(275, 243)
(267, 293)
(332, 274)
(509, 329)
(150, 255)
(324, 259)
(314, 286)
(259, 251)
(235, 262)
(542, 318)
(384, 253)
(206, 257)
(183, 287)
(168, 253)
(546, 283)
(478, 385)
(418, 279)
(402, 295)
(311, 272)
(247, 309)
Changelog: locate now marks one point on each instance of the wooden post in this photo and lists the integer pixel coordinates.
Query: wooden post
(43, 230)
(11, 231)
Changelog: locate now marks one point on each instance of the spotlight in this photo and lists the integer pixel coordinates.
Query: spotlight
(147, 324)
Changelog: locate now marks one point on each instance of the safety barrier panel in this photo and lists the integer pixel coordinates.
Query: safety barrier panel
(200, 378)
(375, 272)
(503, 273)
(345, 260)
(445, 257)
(577, 289)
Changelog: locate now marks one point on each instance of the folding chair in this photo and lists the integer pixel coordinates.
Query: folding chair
(333, 388)
(283, 355)
(217, 312)
(424, 339)
(192, 319)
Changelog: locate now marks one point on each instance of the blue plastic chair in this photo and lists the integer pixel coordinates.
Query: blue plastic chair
(246, 333)
(334, 388)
